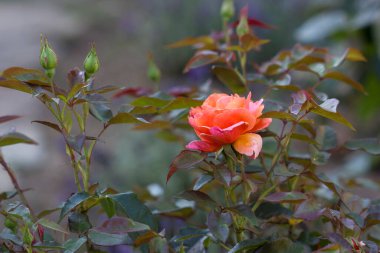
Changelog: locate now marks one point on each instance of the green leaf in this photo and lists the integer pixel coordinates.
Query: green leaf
(345, 79)
(337, 238)
(181, 103)
(303, 137)
(107, 239)
(202, 181)
(108, 206)
(8, 118)
(135, 209)
(52, 225)
(73, 202)
(126, 118)
(156, 124)
(219, 223)
(250, 244)
(284, 245)
(79, 222)
(27, 236)
(7, 234)
(244, 211)
(326, 138)
(73, 245)
(100, 111)
(15, 138)
(103, 89)
(322, 178)
(267, 210)
(319, 157)
(279, 115)
(201, 199)
(185, 160)
(75, 90)
(370, 145)
(189, 236)
(48, 124)
(286, 197)
(122, 225)
(76, 142)
(331, 115)
(20, 211)
(149, 101)
(230, 78)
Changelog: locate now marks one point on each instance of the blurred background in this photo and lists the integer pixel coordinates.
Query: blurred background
(124, 32)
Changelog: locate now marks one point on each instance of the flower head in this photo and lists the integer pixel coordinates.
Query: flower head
(228, 119)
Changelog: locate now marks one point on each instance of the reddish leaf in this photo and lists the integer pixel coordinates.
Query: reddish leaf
(48, 124)
(286, 197)
(184, 160)
(8, 118)
(198, 42)
(181, 91)
(15, 85)
(133, 91)
(255, 22)
(201, 58)
(181, 213)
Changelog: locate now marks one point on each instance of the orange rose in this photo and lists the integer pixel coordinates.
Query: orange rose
(224, 119)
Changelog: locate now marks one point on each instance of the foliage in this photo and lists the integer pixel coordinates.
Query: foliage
(275, 203)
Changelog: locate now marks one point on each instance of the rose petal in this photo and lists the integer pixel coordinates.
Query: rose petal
(230, 117)
(226, 135)
(249, 144)
(203, 146)
(213, 98)
(261, 124)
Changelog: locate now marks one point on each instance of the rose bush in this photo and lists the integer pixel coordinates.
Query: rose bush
(279, 203)
(224, 119)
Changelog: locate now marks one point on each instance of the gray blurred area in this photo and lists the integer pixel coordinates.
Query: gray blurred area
(124, 31)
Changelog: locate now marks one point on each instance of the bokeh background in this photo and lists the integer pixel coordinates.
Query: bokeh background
(124, 32)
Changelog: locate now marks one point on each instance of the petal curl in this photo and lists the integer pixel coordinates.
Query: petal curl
(261, 124)
(213, 99)
(203, 146)
(227, 135)
(249, 144)
(227, 118)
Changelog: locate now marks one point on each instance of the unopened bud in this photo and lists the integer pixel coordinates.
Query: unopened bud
(243, 26)
(154, 72)
(227, 10)
(91, 63)
(50, 73)
(48, 59)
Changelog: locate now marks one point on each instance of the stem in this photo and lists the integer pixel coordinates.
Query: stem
(74, 165)
(16, 185)
(282, 148)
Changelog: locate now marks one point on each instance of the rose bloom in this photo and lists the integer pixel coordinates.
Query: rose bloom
(228, 119)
